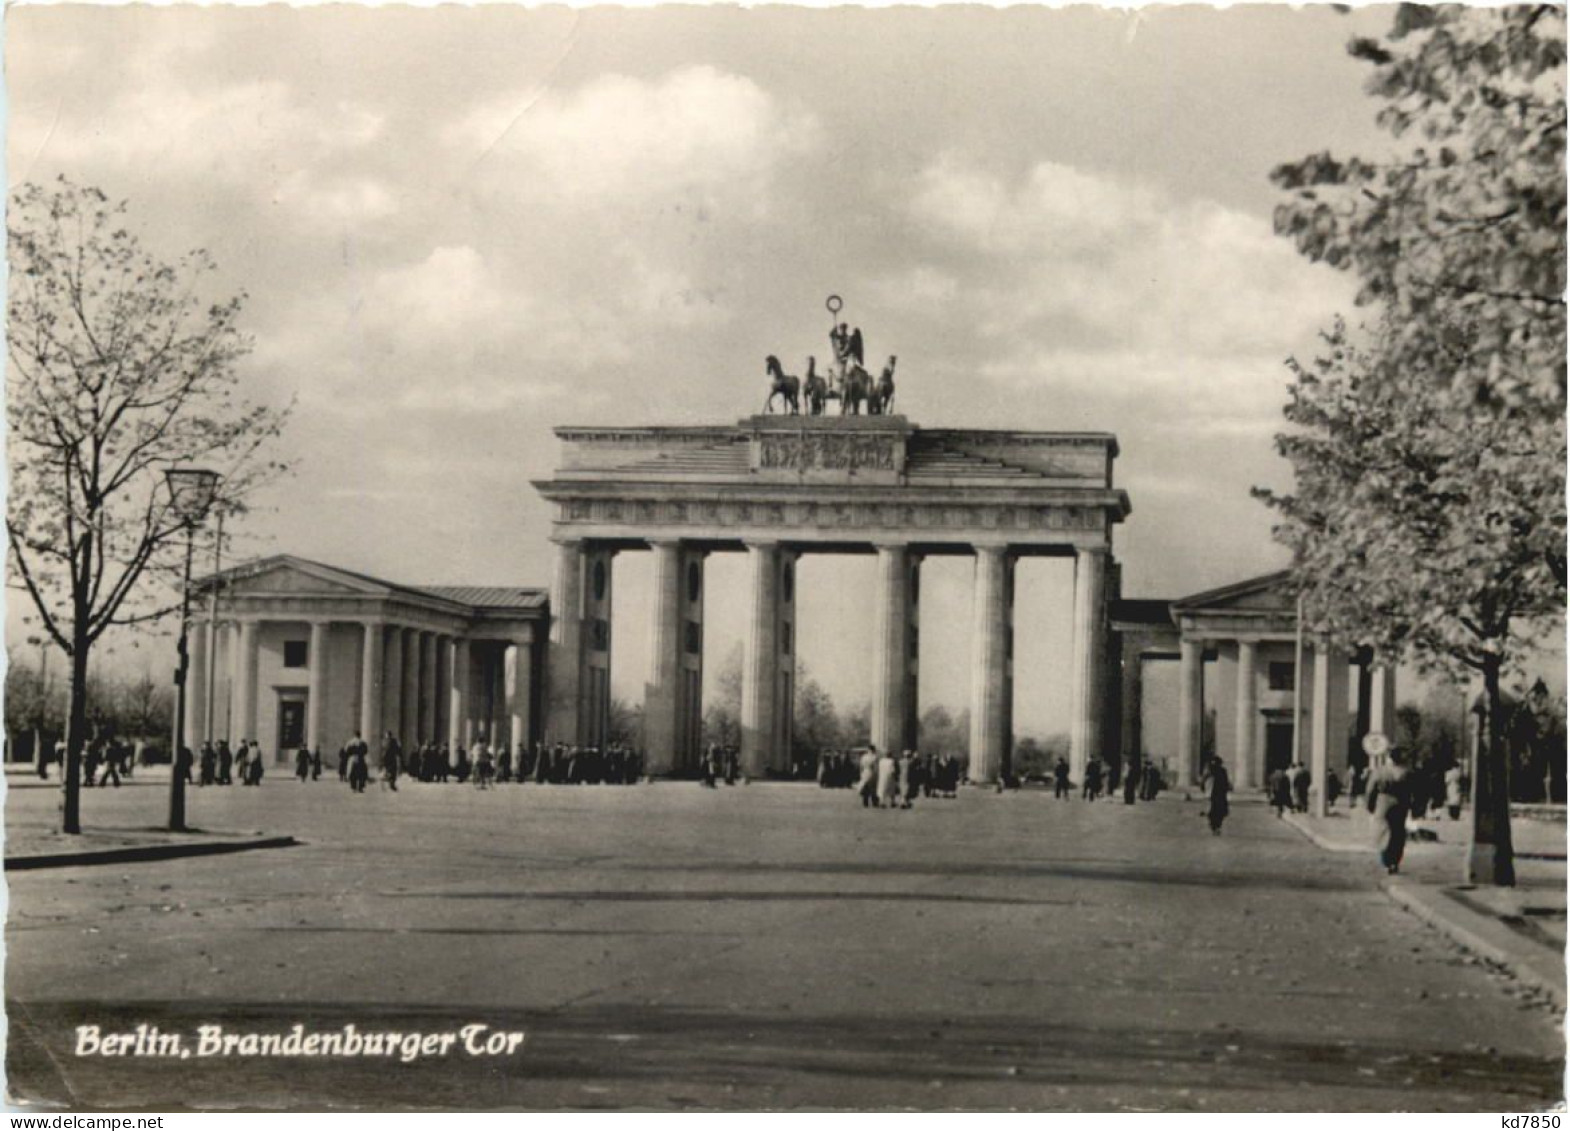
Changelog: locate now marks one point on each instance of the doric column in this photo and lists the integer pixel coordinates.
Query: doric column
(196, 687)
(392, 683)
(661, 690)
(989, 693)
(458, 699)
(371, 655)
(244, 722)
(1247, 721)
(1382, 701)
(1132, 671)
(1191, 709)
(689, 678)
(1328, 730)
(890, 648)
(316, 696)
(409, 691)
(519, 680)
(210, 704)
(429, 685)
(1090, 579)
(564, 663)
(759, 675)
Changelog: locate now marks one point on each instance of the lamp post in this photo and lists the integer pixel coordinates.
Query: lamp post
(191, 492)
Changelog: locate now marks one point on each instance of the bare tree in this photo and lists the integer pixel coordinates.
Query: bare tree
(119, 371)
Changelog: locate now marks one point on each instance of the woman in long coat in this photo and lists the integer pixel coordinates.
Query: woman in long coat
(1389, 800)
(1219, 785)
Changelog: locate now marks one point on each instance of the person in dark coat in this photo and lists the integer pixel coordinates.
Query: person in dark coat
(1302, 779)
(1218, 784)
(1092, 787)
(1389, 800)
(302, 764)
(343, 762)
(316, 763)
(1060, 782)
(392, 760)
(359, 771)
(225, 763)
(1279, 784)
(1130, 780)
(209, 764)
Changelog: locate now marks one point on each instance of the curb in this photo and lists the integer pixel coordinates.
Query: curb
(142, 853)
(1327, 845)
(1472, 932)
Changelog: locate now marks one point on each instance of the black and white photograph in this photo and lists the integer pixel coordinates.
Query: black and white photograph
(692, 558)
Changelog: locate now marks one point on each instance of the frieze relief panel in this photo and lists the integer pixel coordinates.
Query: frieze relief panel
(824, 451)
(637, 515)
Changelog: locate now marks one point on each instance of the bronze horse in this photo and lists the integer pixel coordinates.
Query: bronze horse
(815, 389)
(883, 396)
(783, 385)
(857, 391)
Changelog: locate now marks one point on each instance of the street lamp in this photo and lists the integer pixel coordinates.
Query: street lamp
(191, 492)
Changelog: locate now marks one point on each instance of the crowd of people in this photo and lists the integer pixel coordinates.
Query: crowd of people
(909, 775)
(114, 758)
(217, 764)
(484, 765)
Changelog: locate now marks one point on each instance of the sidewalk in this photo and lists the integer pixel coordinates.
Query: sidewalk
(1521, 929)
(33, 838)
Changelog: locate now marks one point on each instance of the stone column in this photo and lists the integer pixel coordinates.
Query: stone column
(912, 664)
(689, 677)
(429, 681)
(1247, 721)
(409, 691)
(1191, 709)
(1382, 701)
(890, 648)
(1090, 579)
(243, 726)
(316, 696)
(458, 681)
(759, 675)
(209, 687)
(595, 680)
(392, 684)
(196, 688)
(661, 690)
(519, 680)
(989, 665)
(371, 657)
(1328, 731)
(564, 662)
(1132, 671)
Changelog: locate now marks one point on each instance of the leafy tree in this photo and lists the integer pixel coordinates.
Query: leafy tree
(943, 733)
(722, 714)
(816, 725)
(119, 371)
(626, 724)
(1460, 233)
(1423, 531)
(856, 725)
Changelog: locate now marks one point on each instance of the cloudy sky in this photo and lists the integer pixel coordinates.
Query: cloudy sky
(461, 227)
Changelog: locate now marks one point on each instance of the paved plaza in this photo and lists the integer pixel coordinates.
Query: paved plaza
(763, 946)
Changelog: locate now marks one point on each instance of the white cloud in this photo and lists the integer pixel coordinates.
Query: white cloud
(228, 132)
(698, 133)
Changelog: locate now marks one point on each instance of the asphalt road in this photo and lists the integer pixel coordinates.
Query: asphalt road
(761, 946)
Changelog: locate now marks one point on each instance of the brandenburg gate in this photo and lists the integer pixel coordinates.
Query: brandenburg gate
(777, 487)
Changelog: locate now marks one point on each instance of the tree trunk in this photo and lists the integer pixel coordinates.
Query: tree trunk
(1491, 855)
(75, 734)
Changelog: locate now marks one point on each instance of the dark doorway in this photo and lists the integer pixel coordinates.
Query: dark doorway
(1278, 745)
(291, 727)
